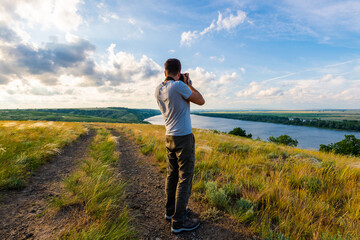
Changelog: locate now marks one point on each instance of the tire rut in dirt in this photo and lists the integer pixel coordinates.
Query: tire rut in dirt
(24, 212)
(145, 198)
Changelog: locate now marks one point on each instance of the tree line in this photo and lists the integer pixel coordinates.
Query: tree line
(351, 125)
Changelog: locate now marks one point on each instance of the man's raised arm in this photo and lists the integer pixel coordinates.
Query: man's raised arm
(195, 96)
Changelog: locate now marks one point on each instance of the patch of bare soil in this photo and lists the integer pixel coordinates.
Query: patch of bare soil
(24, 213)
(145, 197)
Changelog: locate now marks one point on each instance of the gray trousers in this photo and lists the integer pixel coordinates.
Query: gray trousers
(181, 155)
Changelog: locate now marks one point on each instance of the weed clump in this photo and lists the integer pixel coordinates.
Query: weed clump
(216, 196)
(244, 210)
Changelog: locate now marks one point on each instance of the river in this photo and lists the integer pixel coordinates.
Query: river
(308, 137)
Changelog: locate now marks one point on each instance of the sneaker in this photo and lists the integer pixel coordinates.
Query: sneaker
(189, 224)
(168, 218)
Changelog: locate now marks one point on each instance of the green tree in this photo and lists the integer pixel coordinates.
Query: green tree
(283, 139)
(348, 146)
(240, 132)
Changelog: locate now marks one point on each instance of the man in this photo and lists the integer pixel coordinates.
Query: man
(173, 97)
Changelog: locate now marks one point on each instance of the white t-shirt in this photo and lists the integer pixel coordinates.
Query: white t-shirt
(175, 109)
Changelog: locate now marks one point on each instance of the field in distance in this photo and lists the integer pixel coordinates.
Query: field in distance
(110, 114)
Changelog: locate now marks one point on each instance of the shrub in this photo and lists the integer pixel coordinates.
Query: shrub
(216, 196)
(147, 148)
(244, 210)
(231, 148)
(284, 139)
(348, 146)
(240, 132)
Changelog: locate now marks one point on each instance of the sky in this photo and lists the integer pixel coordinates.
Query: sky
(248, 54)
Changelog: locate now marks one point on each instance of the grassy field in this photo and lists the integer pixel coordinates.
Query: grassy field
(95, 186)
(26, 145)
(311, 114)
(280, 192)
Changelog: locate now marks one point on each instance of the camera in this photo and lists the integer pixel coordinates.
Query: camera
(182, 77)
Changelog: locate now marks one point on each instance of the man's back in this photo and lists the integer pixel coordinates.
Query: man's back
(171, 97)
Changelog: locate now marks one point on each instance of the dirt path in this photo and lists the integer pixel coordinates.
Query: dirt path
(146, 196)
(23, 212)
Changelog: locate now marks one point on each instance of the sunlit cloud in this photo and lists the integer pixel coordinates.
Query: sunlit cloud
(222, 23)
(219, 59)
(61, 14)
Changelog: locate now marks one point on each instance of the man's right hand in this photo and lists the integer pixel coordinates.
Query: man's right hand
(187, 80)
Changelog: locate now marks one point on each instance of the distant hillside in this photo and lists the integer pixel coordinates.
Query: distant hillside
(111, 114)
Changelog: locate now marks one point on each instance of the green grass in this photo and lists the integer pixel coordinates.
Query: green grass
(96, 187)
(278, 191)
(24, 146)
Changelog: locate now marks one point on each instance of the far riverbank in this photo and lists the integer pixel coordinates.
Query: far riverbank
(308, 137)
(297, 119)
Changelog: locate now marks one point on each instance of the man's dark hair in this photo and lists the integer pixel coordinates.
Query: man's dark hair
(172, 66)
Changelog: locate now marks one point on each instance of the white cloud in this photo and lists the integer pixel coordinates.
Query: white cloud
(226, 79)
(66, 73)
(275, 91)
(132, 21)
(123, 80)
(61, 14)
(327, 89)
(202, 78)
(220, 59)
(231, 21)
(100, 5)
(252, 89)
(71, 38)
(216, 88)
(123, 67)
(188, 37)
(223, 23)
(107, 16)
(114, 16)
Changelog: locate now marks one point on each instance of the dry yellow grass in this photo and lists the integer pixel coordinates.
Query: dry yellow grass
(25, 145)
(281, 192)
